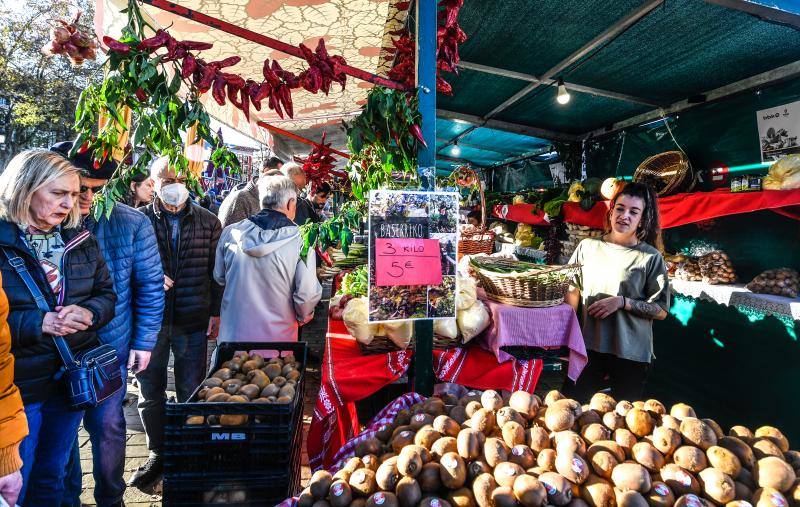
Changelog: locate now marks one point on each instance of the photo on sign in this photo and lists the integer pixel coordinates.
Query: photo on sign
(778, 130)
(448, 242)
(442, 214)
(442, 298)
(413, 243)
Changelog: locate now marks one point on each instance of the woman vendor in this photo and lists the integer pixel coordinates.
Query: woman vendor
(621, 288)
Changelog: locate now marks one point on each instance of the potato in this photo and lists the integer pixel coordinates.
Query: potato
(559, 489)
(559, 418)
(631, 476)
(595, 432)
(681, 411)
(626, 439)
(724, 460)
(666, 440)
(194, 420)
(233, 419)
(772, 472)
(764, 447)
(660, 495)
(769, 497)
(613, 421)
(217, 398)
(648, 456)
(640, 422)
(603, 463)
(525, 403)
(740, 449)
(602, 403)
(690, 458)
(552, 397)
(537, 438)
(717, 486)
(597, 492)
(630, 499)
(572, 466)
(607, 445)
(670, 422)
(697, 433)
(775, 435)
(655, 407)
(679, 480)
(741, 432)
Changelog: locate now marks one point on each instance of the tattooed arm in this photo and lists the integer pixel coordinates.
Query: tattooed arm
(645, 310)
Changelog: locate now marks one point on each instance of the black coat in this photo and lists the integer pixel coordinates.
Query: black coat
(195, 296)
(87, 283)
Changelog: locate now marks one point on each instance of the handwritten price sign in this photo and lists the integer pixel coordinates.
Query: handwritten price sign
(407, 261)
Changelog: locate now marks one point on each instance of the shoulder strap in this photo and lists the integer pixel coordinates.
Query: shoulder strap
(19, 266)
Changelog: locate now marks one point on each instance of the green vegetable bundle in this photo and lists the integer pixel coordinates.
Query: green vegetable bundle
(354, 283)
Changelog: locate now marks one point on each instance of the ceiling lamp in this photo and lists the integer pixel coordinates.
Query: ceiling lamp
(563, 95)
(456, 150)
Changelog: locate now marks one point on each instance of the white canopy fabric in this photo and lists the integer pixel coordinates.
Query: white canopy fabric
(356, 29)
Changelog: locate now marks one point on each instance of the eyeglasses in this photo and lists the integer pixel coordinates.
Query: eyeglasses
(93, 189)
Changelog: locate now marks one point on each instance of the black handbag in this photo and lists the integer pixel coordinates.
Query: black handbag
(91, 376)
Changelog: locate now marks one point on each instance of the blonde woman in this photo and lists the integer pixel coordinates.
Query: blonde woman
(40, 234)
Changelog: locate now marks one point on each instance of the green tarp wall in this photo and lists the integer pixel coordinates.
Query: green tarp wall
(723, 132)
(735, 367)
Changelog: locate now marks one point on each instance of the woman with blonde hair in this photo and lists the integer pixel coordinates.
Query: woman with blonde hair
(48, 262)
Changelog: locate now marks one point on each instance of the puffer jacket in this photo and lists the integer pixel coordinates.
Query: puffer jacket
(86, 284)
(13, 424)
(195, 296)
(269, 289)
(130, 249)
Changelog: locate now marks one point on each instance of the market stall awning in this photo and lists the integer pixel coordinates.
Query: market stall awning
(354, 29)
(458, 142)
(618, 59)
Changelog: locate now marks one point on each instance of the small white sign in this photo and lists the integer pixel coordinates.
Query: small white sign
(778, 131)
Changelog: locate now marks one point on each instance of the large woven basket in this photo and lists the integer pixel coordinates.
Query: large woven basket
(530, 285)
(668, 173)
(478, 240)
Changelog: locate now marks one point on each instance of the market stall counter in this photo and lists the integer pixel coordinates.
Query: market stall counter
(349, 376)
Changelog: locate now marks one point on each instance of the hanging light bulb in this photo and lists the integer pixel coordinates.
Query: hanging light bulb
(456, 150)
(563, 95)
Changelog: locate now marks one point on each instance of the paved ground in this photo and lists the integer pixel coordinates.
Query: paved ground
(314, 334)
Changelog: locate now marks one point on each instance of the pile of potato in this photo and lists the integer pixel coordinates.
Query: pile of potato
(780, 282)
(489, 450)
(248, 378)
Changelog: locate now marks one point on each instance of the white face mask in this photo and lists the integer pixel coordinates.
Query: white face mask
(174, 194)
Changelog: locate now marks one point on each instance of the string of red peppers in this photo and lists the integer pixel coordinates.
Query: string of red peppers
(319, 164)
(323, 70)
(449, 35)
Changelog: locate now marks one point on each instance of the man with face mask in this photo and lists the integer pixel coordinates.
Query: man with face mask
(128, 244)
(187, 241)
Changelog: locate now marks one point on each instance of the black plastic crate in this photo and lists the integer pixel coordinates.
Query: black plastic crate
(262, 444)
(254, 489)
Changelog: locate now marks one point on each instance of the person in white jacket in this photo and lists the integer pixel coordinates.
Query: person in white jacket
(269, 289)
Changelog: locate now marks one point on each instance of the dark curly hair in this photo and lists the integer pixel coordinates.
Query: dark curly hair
(649, 229)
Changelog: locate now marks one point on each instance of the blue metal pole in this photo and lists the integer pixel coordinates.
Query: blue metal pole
(426, 159)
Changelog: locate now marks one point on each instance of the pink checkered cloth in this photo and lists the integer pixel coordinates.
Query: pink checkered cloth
(553, 327)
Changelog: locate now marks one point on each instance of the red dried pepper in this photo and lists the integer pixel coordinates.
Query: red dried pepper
(417, 133)
(218, 91)
(189, 66)
(141, 95)
(115, 45)
(159, 40)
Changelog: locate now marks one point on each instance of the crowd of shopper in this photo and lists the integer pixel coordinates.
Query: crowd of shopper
(148, 279)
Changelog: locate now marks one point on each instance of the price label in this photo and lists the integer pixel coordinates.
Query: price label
(407, 261)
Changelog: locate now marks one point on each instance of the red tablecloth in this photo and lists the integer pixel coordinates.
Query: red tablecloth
(676, 210)
(349, 376)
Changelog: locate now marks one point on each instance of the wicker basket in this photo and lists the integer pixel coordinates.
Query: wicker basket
(531, 286)
(383, 345)
(478, 240)
(668, 173)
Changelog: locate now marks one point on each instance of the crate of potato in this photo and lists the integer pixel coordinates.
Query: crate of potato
(243, 420)
(507, 450)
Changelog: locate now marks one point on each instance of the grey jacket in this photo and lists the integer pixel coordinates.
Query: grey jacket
(269, 289)
(239, 204)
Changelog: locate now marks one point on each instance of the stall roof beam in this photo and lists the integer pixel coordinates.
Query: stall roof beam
(477, 67)
(784, 12)
(787, 72)
(449, 142)
(608, 34)
(258, 38)
(516, 128)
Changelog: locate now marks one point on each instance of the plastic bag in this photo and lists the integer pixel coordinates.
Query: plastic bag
(467, 293)
(472, 321)
(399, 332)
(446, 327)
(784, 174)
(355, 317)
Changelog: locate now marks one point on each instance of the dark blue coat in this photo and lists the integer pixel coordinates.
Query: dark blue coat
(86, 284)
(128, 243)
